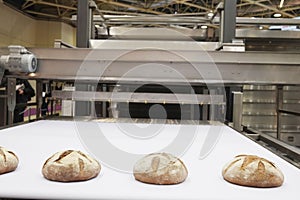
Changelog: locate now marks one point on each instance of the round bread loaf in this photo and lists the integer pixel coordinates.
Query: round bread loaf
(251, 170)
(161, 169)
(70, 166)
(8, 161)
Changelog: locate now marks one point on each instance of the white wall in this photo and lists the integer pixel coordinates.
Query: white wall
(19, 29)
(16, 28)
(47, 32)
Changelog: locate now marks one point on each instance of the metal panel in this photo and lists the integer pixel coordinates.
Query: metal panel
(172, 33)
(260, 109)
(270, 120)
(291, 138)
(237, 110)
(188, 44)
(259, 120)
(259, 96)
(295, 106)
(265, 21)
(256, 34)
(82, 108)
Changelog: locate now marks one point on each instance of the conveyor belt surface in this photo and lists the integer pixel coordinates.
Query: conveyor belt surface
(35, 142)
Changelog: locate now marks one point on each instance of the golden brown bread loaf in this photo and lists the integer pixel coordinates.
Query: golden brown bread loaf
(251, 170)
(70, 166)
(8, 161)
(160, 168)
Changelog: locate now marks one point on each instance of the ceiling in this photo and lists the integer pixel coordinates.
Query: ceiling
(63, 10)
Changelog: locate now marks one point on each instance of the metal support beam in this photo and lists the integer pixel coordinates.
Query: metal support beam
(296, 7)
(269, 8)
(39, 97)
(205, 107)
(233, 67)
(212, 108)
(130, 97)
(104, 104)
(27, 4)
(3, 107)
(279, 103)
(132, 7)
(228, 21)
(2, 70)
(237, 110)
(230, 90)
(83, 24)
(11, 101)
(185, 2)
(46, 15)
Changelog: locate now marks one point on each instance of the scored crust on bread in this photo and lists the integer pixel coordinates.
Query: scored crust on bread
(70, 165)
(161, 169)
(253, 171)
(8, 161)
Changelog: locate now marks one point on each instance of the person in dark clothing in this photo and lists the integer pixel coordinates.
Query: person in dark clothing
(24, 92)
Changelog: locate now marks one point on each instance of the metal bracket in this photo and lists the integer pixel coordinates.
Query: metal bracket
(11, 98)
(1, 74)
(237, 110)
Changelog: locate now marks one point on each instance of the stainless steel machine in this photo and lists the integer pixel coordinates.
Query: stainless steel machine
(118, 79)
(190, 88)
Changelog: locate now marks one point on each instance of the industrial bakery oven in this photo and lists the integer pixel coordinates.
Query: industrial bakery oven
(204, 146)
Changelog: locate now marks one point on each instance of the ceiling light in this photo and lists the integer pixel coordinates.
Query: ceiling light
(32, 74)
(277, 15)
(261, 28)
(97, 25)
(210, 14)
(204, 27)
(281, 3)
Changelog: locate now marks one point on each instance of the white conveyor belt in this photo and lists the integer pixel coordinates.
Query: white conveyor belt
(35, 142)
